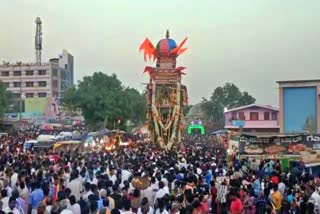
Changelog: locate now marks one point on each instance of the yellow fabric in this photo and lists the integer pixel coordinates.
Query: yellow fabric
(276, 199)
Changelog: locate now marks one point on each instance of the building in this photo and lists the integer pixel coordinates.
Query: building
(28, 80)
(252, 118)
(299, 105)
(41, 83)
(66, 70)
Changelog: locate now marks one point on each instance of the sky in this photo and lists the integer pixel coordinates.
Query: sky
(251, 43)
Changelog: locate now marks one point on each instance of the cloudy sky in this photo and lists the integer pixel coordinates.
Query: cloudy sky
(252, 43)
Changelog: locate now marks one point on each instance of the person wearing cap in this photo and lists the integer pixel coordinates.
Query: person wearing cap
(11, 208)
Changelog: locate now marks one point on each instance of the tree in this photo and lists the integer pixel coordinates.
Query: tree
(310, 125)
(226, 96)
(6, 99)
(103, 100)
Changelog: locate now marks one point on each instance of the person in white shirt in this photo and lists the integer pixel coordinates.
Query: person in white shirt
(64, 207)
(160, 193)
(125, 174)
(75, 185)
(75, 207)
(14, 180)
(11, 208)
(282, 187)
(126, 207)
(315, 197)
(4, 198)
(87, 192)
(7, 187)
(145, 207)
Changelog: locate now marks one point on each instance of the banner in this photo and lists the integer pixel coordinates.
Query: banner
(307, 146)
(314, 140)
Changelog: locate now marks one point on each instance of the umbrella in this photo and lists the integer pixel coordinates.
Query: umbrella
(140, 183)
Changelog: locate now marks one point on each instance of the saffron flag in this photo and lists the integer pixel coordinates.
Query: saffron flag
(177, 49)
(148, 50)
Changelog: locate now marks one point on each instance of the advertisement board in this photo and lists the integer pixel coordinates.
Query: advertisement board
(307, 146)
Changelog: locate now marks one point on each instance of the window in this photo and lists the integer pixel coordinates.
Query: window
(54, 72)
(66, 66)
(5, 73)
(18, 95)
(42, 84)
(17, 73)
(266, 115)
(7, 84)
(274, 115)
(234, 116)
(29, 95)
(55, 83)
(42, 94)
(17, 84)
(29, 73)
(241, 116)
(254, 115)
(29, 84)
(42, 72)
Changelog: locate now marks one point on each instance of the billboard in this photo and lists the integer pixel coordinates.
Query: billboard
(36, 104)
(307, 146)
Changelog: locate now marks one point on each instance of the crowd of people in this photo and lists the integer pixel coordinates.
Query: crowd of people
(145, 179)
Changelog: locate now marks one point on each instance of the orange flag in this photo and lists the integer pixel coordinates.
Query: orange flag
(148, 49)
(176, 50)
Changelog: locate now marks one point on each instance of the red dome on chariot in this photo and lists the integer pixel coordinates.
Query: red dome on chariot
(166, 46)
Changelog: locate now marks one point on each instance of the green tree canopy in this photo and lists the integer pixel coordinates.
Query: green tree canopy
(103, 99)
(226, 96)
(6, 99)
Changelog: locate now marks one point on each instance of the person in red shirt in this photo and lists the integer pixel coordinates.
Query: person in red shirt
(236, 204)
(214, 192)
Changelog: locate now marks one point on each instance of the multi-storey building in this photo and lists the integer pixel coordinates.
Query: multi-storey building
(30, 80)
(39, 85)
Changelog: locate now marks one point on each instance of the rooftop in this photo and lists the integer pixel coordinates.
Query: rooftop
(252, 105)
(298, 81)
(19, 64)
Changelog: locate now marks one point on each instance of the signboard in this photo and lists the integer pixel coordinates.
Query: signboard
(307, 146)
(239, 123)
(314, 140)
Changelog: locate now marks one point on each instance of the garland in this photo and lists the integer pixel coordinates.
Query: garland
(156, 126)
(175, 124)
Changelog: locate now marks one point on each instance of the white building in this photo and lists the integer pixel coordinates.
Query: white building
(33, 80)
